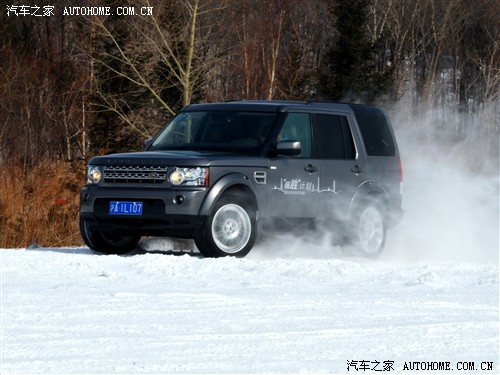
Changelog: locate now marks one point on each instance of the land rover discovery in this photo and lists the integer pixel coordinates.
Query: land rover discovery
(220, 173)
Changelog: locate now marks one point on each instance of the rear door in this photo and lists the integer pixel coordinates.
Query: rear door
(343, 169)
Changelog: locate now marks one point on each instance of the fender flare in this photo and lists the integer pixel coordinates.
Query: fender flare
(367, 190)
(220, 187)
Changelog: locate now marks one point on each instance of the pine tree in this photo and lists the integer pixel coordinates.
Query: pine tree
(349, 72)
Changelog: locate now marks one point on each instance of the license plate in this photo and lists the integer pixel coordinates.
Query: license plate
(125, 208)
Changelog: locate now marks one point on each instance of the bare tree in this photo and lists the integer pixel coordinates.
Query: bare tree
(161, 55)
(305, 43)
(271, 49)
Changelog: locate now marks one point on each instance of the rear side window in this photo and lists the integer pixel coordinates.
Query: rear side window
(375, 130)
(332, 137)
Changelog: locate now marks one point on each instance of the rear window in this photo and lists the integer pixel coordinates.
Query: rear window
(375, 130)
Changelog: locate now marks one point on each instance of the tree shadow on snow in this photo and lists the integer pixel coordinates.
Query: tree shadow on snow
(141, 251)
(144, 247)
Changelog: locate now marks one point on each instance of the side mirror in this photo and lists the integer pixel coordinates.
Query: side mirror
(147, 143)
(288, 148)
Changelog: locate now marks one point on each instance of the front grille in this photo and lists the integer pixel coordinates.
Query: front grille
(152, 174)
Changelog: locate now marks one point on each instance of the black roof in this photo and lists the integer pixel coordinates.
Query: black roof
(271, 105)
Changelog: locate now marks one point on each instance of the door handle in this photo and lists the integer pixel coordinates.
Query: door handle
(310, 168)
(356, 169)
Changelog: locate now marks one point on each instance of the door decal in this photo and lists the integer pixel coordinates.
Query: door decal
(296, 186)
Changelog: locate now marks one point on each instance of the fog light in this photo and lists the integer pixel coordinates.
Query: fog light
(179, 199)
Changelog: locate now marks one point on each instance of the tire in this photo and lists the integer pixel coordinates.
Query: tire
(367, 231)
(230, 230)
(107, 243)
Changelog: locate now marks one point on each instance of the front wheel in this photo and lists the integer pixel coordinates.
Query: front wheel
(229, 231)
(107, 243)
(367, 231)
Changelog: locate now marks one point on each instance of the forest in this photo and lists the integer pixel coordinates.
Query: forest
(76, 86)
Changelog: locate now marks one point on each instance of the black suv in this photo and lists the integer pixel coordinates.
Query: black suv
(218, 173)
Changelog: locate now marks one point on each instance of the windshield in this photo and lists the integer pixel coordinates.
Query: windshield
(215, 130)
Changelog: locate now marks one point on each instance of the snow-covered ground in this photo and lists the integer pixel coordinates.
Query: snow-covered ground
(292, 306)
(70, 311)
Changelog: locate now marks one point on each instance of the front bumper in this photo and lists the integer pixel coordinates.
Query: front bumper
(172, 212)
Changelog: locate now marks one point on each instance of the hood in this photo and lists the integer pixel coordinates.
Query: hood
(177, 158)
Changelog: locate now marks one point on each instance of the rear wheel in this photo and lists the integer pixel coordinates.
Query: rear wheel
(367, 231)
(229, 231)
(107, 243)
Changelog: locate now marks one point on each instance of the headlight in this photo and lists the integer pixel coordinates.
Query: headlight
(189, 177)
(93, 175)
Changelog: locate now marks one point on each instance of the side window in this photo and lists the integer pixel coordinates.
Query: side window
(333, 138)
(375, 130)
(297, 127)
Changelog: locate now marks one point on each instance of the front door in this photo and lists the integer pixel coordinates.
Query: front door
(294, 180)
